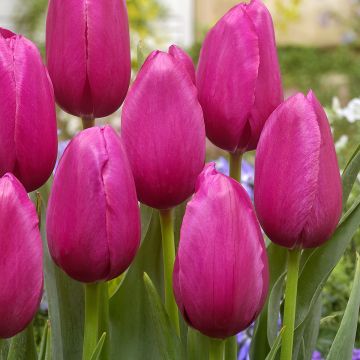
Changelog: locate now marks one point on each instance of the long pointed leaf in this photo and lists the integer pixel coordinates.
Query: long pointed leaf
(350, 174)
(22, 346)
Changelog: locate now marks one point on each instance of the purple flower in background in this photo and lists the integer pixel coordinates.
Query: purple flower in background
(244, 341)
(61, 148)
(316, 355)
(247, 173)
(356, 354)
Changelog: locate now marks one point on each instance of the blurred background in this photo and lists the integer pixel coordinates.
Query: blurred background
(318, 46)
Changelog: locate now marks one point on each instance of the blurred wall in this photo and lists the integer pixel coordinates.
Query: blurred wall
(6, 13)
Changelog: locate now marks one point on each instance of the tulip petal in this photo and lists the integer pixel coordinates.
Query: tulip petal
(220, 274)
(268, 91)
(185, 59)
(163, 132)
(227, 85)
(21, 268)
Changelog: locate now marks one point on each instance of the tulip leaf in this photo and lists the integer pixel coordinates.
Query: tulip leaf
(343, 343)
(350, 174)
(167, 341)
(275, 347)
(98, 348)
(322, 261)
(260, 345)
(131, 329)
(42, 350)
(22, 346)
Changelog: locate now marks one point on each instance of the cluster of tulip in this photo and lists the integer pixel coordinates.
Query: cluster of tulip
(219, 279)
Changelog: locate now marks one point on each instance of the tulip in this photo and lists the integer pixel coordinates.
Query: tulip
(93, 221)
(163, 132)
(88, 55)
(221, 269)
(238, 77)
(297, 179)
(21, 268)
(28, 135)
(185, 59)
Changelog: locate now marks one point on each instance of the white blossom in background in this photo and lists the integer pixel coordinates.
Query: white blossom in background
(341, 143)
(351, 112)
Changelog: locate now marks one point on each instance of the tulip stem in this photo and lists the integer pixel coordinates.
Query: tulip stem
(88, 122)
(168, 245)
(290, 304)
(235, 165)
(92, 309)
(217, 349)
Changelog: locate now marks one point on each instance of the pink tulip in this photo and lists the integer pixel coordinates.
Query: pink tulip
(221, 269)
(93, 221)
(297, 179)
(88, 55)
(238, 77)
(163, 132)
(185, 59)
(21, 265)
(28, 136)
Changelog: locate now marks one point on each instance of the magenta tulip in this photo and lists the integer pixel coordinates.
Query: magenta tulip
(185, 59)
(238, 77)
(163, 132)
(221, 269)
(28, 135)
(298, 193)
(93, 220)
(21, 265)
(88, 55)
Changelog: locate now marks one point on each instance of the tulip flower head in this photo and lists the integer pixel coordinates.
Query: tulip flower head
(185, 59)
(88, 55)
(221, 269)
(163, 132)
(21, 266)
(93, 220)
(238, 77)
(298, 194)
(28, 135)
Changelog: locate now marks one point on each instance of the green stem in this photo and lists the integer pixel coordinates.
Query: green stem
(217, 349)
(104, 319)
(231, 348)
(235, 165)
(168, 245)
(88, 122)
(290, 304)
(92, 309)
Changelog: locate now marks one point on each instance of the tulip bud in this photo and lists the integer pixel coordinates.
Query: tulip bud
(163, 132)
(221, 269)
(21, 266)
(88, 55)
(28, 135)
(93, 221)
(185, 59)
(298, 193)
(238, 77)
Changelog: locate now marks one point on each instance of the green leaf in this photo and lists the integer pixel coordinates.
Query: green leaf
(343, 344)
(260, 345)
(66, 304)
(350, 174)
(131, 329)
(322, 261)
(275, 347)
(98, 348)
(167, 340)
(197, 345)
(22, 346)
(42, 351)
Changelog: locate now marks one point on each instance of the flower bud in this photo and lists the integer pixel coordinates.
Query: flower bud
(238, 77)
(221, 269)
(93, 221)
(88, 55)
(185, 59)
(21, 265)
(163, 132)
(298, 192)
(28, 135)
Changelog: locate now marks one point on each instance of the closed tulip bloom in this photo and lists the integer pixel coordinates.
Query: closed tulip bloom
(185, 59)
(88, 55)
(93, 221)
(298, 193)
(221, 269)
(28, 135)
(21, 266)
(163, 132)
(238, 77)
